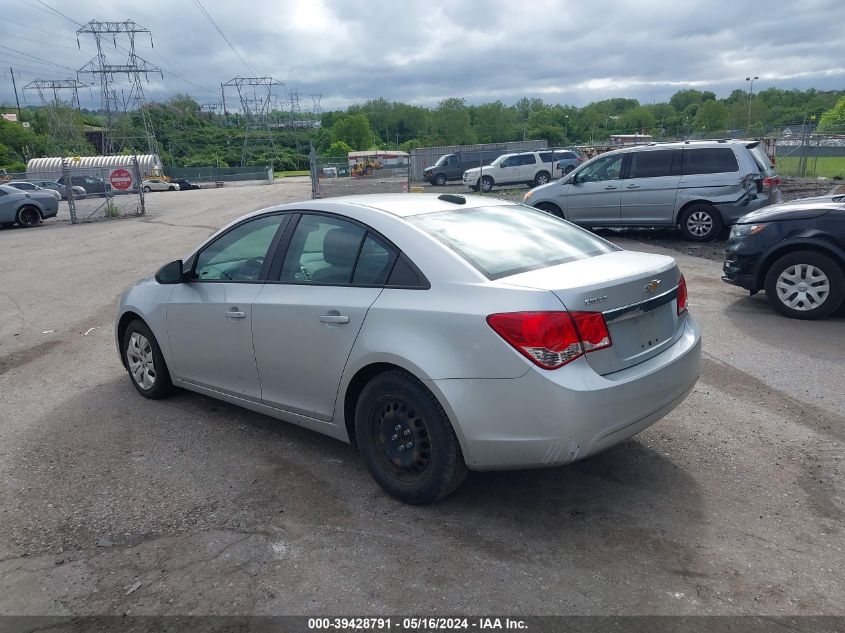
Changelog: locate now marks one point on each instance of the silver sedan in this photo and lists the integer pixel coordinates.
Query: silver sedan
(437, 334)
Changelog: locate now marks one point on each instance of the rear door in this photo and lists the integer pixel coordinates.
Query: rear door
(651, 186)
(306, 319)
(594, 194)
(527, 167)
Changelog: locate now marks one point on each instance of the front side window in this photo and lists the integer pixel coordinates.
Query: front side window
(603, 168)
(239, 254)
(651, 164)
(510, 239)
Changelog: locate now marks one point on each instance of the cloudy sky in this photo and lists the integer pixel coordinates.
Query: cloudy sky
(421, 52)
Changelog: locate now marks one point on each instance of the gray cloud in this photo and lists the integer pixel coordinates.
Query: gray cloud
(422, 52)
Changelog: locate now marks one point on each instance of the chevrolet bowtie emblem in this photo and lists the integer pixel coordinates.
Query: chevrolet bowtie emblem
(652, 286)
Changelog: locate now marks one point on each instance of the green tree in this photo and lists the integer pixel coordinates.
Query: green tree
(452, 122)
(354, 130)
(636, 120)
(712, 116)
(338, 149)
(834, 119)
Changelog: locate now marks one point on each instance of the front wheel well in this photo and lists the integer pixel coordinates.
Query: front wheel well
(125, 319)
(353, 391)
(772, 257)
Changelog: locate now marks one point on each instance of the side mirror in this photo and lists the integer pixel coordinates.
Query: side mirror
(170, 273)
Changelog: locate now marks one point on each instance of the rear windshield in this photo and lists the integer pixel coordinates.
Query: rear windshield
(764, 163)
(506, 240)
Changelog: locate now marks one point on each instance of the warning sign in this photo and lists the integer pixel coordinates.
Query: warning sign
(120, 179)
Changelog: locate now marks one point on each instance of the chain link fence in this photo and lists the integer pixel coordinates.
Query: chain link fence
(98, 193)
(338, 176)
(223, 176)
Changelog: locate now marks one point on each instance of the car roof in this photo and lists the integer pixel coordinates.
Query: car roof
(401, 205)
(683, 145)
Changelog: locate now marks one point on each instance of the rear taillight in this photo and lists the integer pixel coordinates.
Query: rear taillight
(771, 181)
(682, 296)
(552, 339)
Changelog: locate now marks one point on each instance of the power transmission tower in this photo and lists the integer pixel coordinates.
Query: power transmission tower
(256, 96)
(63, 124)
(127, 101)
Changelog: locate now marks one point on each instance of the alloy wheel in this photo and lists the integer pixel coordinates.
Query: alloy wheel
(700, 223)
(139, 357)
(802, 287)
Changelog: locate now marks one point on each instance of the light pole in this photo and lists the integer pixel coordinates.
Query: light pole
(750, 95)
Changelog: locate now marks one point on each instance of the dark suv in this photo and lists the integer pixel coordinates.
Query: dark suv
(91, 185)
(795, 251)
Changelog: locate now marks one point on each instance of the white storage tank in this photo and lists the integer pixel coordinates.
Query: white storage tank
(51, 168)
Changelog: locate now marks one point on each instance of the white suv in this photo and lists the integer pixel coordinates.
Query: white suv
(531, 168)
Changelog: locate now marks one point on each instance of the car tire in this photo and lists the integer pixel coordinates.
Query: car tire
(542, 178)
(147, 189)
(393, 410)
(171, 188)
(700, 222)
(440, 180)
(28, 217)
(486, 183)
(809, 270)
(144, 362)
(473, 187)
(551, 209)
(568, 169)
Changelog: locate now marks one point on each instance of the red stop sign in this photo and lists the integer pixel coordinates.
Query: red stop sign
(120, 179)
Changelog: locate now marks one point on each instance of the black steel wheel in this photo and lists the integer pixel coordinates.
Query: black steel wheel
(406, 439)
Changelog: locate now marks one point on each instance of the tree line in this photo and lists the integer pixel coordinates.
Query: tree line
(189, 138)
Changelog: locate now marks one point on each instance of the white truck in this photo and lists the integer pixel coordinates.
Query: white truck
(530, 168)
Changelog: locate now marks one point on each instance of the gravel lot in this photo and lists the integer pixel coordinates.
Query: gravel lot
(733, 504)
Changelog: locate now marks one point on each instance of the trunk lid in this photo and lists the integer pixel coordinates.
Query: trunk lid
(636, 292)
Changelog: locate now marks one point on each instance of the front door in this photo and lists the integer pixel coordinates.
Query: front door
(306, 322)
(594, 193)
(209, 319)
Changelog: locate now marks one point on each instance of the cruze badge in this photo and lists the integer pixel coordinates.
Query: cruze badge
(652, 286)
(592, 300)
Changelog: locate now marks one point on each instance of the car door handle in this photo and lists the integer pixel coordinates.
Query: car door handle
(334, 318)
(611, 187)
(633, 187)
(235, 314)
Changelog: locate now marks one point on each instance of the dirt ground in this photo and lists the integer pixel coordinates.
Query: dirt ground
(111, 504)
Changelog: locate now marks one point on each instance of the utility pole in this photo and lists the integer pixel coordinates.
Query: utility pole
(750, 96)
(17, 101)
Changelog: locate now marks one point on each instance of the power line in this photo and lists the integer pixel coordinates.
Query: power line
(29, 39)
(27, 26)
(223, 35)
(57, 12)
(30, 56)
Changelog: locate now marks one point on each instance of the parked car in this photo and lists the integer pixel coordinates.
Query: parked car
(330, 172)
(567, 160)
(26, 208)
(184, 184)
(24, 185)
(531, 168)
(384, 321)
(52, 184)
(90, 184)
(699, 186)
(453, 166)
(795, 252)
(157, 184)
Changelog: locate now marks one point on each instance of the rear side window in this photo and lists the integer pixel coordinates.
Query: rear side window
(527, 159)
(652, 164)
(374, 263)
(713, 160)
(510, 239)
(547, 157)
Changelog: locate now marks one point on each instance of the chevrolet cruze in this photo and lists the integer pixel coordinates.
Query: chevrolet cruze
(437, 334)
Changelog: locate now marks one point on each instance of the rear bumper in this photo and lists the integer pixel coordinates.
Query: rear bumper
(547, 418)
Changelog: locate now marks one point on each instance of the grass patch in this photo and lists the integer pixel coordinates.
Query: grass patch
(827, 166)
(111, 210)
(294, 172)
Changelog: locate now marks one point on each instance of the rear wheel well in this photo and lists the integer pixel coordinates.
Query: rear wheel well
(772, 257)
(353, 391)
(694, 202)
(122, 324)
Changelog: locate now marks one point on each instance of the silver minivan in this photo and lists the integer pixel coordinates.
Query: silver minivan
(699, 186)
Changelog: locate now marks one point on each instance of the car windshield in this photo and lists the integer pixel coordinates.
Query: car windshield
(500, 159)
(505, 240)
(442, 160)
